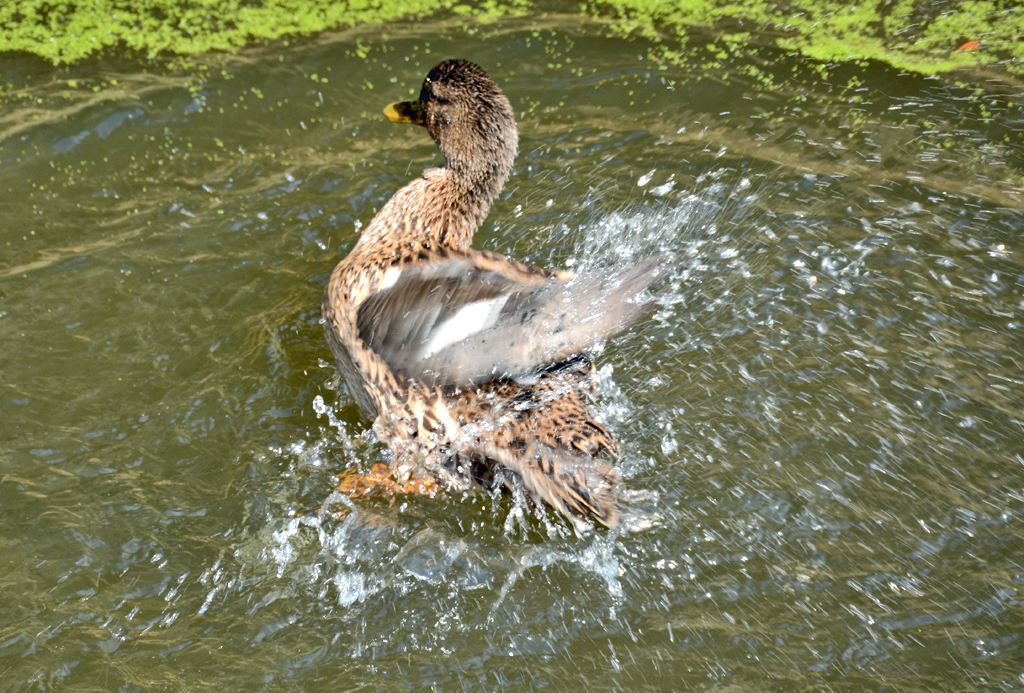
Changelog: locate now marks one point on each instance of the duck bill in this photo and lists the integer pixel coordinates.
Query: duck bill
(405, 112)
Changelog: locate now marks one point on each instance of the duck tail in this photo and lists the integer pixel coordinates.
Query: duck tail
(573, 484)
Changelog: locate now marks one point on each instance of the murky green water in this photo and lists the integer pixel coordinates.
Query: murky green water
(829, 405)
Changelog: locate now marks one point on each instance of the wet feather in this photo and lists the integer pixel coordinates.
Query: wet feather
(472, 362)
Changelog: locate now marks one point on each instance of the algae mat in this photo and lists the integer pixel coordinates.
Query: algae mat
(921, 37)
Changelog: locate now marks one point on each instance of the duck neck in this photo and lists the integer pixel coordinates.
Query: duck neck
(482, 175)
(445, 208)
(463, 191)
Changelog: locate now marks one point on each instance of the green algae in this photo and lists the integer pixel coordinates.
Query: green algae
(68, 31)
(926, 38)
(920, 37)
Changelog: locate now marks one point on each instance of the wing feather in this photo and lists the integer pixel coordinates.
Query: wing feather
(470, 319)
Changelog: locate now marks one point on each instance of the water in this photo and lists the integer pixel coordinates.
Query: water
(824, 413)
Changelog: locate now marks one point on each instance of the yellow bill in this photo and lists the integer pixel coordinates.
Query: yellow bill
(405, 112)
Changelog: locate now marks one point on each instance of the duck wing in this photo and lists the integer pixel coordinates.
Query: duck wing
(468, 319)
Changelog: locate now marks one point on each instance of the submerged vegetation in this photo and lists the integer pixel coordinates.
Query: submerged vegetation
(923, 37)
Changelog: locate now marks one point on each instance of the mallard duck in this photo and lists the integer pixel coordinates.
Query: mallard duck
(472, 363)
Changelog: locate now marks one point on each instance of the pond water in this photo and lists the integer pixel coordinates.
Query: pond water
(826, 413)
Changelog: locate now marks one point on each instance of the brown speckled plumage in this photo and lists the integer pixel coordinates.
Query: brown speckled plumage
(509, 398)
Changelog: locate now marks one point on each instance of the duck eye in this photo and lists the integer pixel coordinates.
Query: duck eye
(430, 97)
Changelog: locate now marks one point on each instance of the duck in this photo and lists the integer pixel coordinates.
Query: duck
(473, 365)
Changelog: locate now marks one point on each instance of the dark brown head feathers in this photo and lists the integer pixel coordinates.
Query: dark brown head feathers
(472, 122)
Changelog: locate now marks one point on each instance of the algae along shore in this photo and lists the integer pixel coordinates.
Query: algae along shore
(921, 37)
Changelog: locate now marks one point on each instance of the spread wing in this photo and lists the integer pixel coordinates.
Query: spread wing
(470, 319)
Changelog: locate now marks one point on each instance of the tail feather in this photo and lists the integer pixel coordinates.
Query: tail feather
(572, 484)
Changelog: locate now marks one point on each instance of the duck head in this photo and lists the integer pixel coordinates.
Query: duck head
(471, 121)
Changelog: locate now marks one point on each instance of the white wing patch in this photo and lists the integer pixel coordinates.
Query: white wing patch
(390, 278)
(472, 318)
